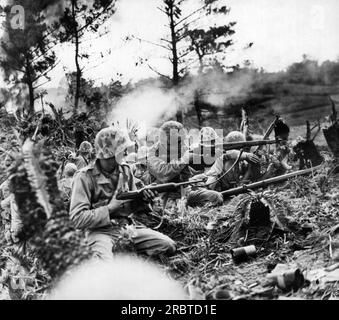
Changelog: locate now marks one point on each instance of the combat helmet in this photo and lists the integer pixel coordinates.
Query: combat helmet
(70, 169)
(235, 136)
(207, 135)
(85, 147)
(110, 142)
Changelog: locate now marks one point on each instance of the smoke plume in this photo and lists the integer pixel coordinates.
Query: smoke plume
(147, 105)
(150, 104)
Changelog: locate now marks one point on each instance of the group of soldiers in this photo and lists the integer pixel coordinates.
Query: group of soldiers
(92, 179)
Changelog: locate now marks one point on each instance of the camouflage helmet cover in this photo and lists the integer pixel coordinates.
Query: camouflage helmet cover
(70, 169)
(235, 136)
(170, 128)
(85, 146)
(167, 126)
(207, 134)
(111, 141)
(131, 158)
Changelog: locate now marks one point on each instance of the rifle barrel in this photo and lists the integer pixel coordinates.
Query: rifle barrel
(268, 131)
(264, 183)
(237, 145)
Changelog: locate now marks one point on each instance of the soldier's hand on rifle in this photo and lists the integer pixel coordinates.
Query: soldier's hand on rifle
(119, 208)
(149, 195)
(252, 158)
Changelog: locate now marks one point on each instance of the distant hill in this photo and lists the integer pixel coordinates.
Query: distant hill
(296, 103)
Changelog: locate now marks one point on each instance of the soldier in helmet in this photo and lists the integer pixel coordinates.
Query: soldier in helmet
(94, 206)
(131, 158)
(216, 177)
(85, 153)
(170, 161)
(9, 210)
(207, 141)
(65, 184)
(139, 169)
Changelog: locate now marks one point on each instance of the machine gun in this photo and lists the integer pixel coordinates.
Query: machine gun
(166, 187)
(264, 183)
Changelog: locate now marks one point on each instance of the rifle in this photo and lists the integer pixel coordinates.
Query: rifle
(165, 187)
(253, 172)
(264, 183)
(244, 144)
(269, 131)
(237, 145)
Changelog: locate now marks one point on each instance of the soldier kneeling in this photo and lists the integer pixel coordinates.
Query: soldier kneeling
(94, 207)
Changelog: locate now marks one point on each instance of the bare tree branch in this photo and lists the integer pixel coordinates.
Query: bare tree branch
(162, 39)
(187, 24)
(153, 43)
(187, 65)
(185, 54)
(42, 84)
(157, 72)
(190, 15)
(43, 54)
(48, 70)
(162, 10)
(95, 18)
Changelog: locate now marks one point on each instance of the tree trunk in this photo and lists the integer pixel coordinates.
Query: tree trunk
(175, 61)
(29, 83)
(201, 64)
(197, 104)
(198, 109)
(77, 64)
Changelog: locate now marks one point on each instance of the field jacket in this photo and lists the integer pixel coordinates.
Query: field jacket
(91, 193)
(220, 167)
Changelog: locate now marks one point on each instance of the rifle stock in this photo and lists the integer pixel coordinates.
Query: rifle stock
(264, 183)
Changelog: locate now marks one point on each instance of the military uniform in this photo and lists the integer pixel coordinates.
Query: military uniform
(85, 151)
(178, 170)
(92, 191)
(65, 186)
(217, 179)
(221, 166)
(81, 162)
(141, 173)
(10, 214)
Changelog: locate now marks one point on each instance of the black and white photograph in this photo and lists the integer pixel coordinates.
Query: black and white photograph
(174, 151)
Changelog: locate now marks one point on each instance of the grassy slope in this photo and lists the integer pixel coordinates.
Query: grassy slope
(208, 263)
(296, 104)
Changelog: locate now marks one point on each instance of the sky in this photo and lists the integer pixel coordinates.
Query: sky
(281, 30)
